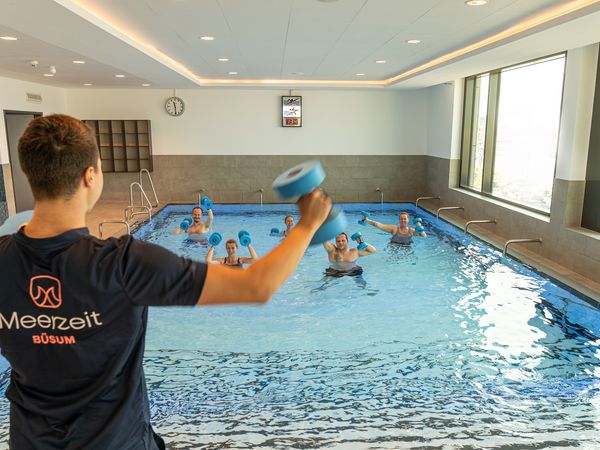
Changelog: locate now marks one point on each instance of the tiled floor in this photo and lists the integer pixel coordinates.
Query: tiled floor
(108, 210)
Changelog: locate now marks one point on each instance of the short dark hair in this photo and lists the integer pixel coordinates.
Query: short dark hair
(54, 152)
(343, 234)
(197, 207)
(285, 218)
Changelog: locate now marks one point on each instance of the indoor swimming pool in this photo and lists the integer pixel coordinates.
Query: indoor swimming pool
(443, 344)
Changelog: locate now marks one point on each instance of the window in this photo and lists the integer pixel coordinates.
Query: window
(510, 132)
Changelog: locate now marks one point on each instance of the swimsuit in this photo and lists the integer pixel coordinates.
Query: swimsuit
(402, 239)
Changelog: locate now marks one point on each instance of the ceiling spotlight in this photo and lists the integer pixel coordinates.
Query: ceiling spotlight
(8, 38)
(53, 70)
(34, 63)
(476, 2)
(146, 84)
(87, 84)
(78, 62)
(207, 38)
(223, 59)
(413, 41)
(48, 74)
(380, 61)
(233, 73)
(119, 76)
(360, 74)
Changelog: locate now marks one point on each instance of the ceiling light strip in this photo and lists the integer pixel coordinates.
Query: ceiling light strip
(535, 21)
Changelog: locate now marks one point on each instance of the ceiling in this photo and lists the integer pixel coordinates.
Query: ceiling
(288, 43)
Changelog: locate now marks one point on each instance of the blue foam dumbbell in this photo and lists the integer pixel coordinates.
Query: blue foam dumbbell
(417, 220)
(215, 239)
(245, 238)
(206, 202)
(358, 237)
(274, 231)
(301, 180)
(363, 214)
(419, 229)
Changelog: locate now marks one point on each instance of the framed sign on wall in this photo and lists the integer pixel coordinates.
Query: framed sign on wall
(291, 111)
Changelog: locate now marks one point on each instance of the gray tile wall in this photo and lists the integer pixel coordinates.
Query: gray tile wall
(236, 179)
(564, 242)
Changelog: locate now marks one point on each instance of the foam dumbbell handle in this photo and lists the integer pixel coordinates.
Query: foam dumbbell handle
(419, 229)
(184, 225)
(336, 223)
(204, 199)
(356, 236)
(299, 180)
(208, 204)
(215, 239)
(275, 232)
(362, 246)
(363, 214)
(242, 233)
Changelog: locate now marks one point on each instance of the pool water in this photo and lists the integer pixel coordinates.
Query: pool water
(440, 345)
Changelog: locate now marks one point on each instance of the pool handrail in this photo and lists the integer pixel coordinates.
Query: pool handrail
(446, 208)
(200, 192)
(478, 221)
(519, 241)
(132, 208)
(113, 221)
(151, 185)
(261, 191)
(425, 198)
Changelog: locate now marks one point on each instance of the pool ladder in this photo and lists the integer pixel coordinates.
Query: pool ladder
(144, 208)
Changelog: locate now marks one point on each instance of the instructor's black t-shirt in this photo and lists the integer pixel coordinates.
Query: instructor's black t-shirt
(73, 316)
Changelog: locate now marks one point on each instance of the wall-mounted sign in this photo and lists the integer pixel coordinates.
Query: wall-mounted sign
(291, 111)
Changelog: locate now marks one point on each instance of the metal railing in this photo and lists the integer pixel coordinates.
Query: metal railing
(446, 208)
(130, 212)
(380, 196)
(478, 221)
(519, 241)
(425, 198)
(261, 191)
(152, 205)
(113, 221)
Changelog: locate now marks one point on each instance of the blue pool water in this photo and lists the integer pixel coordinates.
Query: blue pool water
(441, 345)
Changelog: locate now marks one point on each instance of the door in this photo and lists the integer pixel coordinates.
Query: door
(16, 122)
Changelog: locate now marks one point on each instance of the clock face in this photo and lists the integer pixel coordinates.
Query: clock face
(174, 106)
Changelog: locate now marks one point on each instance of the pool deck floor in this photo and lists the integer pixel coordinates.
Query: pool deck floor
(108, 210)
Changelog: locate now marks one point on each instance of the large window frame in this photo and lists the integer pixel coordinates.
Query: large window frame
(471, 102)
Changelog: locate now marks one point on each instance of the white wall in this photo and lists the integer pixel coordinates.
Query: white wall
(439, 121)
(576, 114)
(12, 98)
(247, 121)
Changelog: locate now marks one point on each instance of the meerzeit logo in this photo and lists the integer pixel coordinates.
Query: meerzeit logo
(45, 292)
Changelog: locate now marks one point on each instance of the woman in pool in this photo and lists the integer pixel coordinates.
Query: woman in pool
(232, 259)
(402, 234)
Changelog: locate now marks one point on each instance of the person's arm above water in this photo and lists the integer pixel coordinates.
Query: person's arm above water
(388, 228)
(368, 250)
(209, 219)
(177, 231)
(209, 256)
(329, 247)
(253, 255)
(260, 281)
